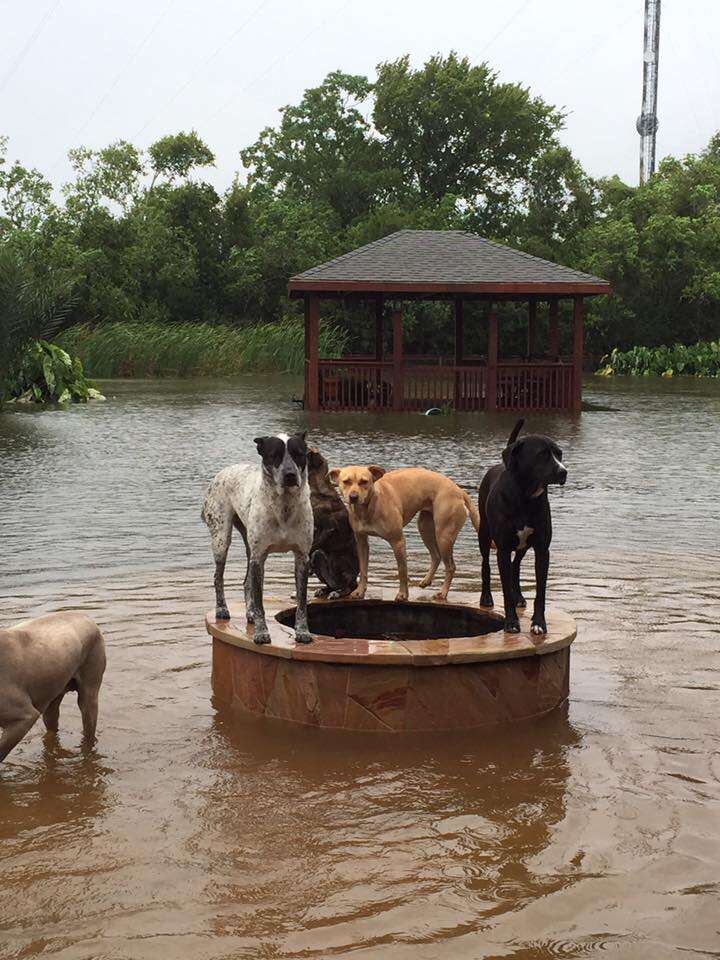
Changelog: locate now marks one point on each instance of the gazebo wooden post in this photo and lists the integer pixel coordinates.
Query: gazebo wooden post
(459, 333)
(532, 317)
(492, 360)
(397, 359)
(578, 346)
(312, 353)
(379, 311)
(553, 331)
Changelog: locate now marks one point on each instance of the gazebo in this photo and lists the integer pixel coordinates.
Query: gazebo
(453, 266)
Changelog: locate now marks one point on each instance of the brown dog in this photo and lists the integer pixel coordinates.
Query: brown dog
(381, 504)
(40, 661)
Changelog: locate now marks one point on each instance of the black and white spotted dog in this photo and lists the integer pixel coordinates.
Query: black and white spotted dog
(270, 505)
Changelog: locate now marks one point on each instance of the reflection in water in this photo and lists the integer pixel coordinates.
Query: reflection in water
(191, 833)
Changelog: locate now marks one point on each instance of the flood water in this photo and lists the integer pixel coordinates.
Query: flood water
(190, 834)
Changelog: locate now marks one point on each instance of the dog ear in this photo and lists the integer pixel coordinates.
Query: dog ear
(510, 454)
(259, 442)
(376, 472)
(334, 474)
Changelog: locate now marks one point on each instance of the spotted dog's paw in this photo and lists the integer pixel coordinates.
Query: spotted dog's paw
(303, 637)
(261, 636)
(222, 613)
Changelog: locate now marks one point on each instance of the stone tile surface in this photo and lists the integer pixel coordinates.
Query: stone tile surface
(390, 686)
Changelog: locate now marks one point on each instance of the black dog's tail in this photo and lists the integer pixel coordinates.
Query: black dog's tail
(515, 431)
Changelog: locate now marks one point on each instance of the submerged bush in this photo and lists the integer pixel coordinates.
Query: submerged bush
(698, 360)
(186, 349)
(48, 374)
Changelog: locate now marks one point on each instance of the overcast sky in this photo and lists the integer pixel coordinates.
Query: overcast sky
(92, 71)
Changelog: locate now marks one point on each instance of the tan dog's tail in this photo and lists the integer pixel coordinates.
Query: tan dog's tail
(472, 510)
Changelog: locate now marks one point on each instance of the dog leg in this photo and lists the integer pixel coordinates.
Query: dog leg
(446, 552)
(512, 624)
(363, 546)
(542, 565)
(261, 633)
(88, 703)
(15, 731)
(220, 527)
(302, 566)
(51, 717)
(426, 527)
(249, 602)
(486, 597)
(448, 524)
(520, 600)
(400, 551)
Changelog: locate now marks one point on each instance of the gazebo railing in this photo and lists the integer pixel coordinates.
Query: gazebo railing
(534, 386)
(365, 384)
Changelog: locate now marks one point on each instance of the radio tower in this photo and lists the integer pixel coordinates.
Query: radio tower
(647, 122)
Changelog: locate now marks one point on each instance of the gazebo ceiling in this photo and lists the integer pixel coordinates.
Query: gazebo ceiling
(443, 262)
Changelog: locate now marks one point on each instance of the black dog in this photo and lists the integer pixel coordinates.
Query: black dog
(515, 515)
(333, 555)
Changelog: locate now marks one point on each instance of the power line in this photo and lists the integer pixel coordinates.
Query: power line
(206, 63)
(278, 60)
(501, 31)
(28, 45)
(131, 59)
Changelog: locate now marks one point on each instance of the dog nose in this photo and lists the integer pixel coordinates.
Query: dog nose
(353, 498)
(290, 479)
(562, 476)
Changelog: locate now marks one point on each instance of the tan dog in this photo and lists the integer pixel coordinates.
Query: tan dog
(40, 661)
(381, 504)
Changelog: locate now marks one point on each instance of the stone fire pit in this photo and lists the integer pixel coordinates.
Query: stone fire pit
(391, 667)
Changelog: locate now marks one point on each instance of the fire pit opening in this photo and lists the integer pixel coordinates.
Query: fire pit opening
(387, 620)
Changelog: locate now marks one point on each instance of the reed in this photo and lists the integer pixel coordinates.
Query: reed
(194, 349)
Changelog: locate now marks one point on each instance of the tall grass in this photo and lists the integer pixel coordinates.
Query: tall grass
(189, 349)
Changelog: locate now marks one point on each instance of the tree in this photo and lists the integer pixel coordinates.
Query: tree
(454, 128)
(323, 152)
(174, 156)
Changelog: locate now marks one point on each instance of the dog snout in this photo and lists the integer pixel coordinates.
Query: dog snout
(290, 479)
(354, 497)
(562, 476)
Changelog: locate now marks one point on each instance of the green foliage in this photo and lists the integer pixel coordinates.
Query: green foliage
(157, 349)
(32, 304)
(175, 155)
(47, 374)
(697, 360)
(140, 239)
(453, 128)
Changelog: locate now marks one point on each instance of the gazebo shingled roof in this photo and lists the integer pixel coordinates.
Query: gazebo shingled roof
(443, 261)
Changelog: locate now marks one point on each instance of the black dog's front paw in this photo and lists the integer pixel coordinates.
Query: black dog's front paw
(512, 625)
(538, 626)
(520, 601)
(222, 613)
(486, 600)
(261, 635)
(322, 593)
(303, 637)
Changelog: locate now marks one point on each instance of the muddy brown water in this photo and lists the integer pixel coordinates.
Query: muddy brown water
(187, 833)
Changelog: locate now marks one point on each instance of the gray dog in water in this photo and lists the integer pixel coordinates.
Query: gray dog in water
(270, 506)
(40, 661)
